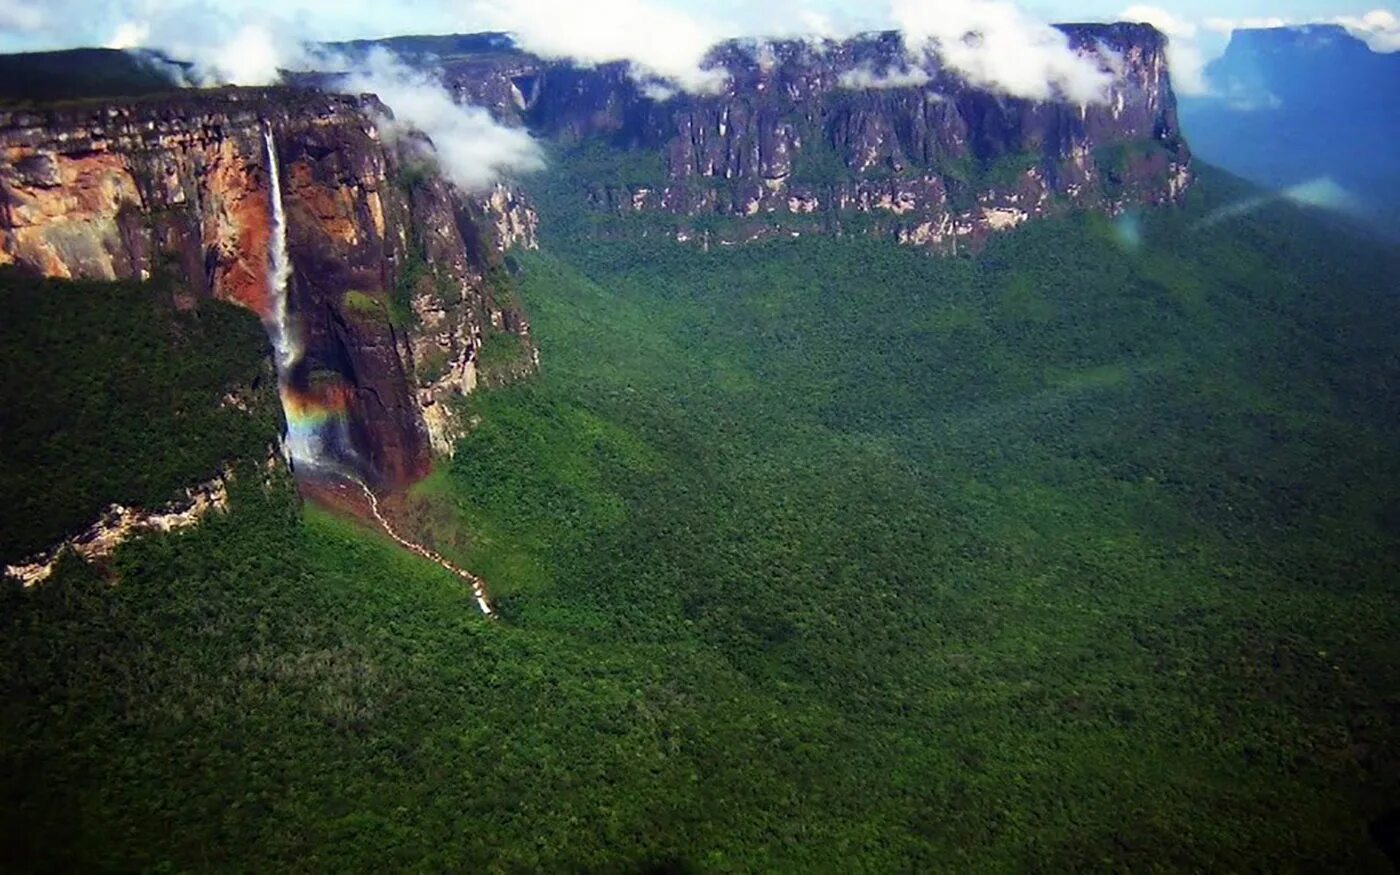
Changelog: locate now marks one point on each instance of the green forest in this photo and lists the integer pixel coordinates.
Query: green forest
(112, 393)
(812, 555)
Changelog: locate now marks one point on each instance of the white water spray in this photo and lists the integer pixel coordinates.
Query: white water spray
(301, 446)
(310, 440)
(285, 344)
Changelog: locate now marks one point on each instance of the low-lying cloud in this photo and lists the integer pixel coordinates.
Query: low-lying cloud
(1322, 193)
(1227, 26)
(996, 45)
(659, 41)
(865, 76)
(1380, 28)
(1185, 58)
(993, 44)
(471, 148)
(221, 50)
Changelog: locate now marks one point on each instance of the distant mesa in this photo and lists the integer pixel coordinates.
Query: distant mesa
(1296, 104)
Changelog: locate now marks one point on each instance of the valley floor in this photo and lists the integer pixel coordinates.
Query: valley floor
(812, 556)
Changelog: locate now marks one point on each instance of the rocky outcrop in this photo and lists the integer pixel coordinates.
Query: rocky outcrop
(390, 265)
(456, 251)
(118, 524)
(794, 143)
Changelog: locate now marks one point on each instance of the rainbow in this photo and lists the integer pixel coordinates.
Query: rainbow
(316, 406)
(318, 423)
(318, 420)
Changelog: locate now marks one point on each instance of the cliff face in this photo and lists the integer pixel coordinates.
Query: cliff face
(388, 287)
(395, 281)
(799, 141)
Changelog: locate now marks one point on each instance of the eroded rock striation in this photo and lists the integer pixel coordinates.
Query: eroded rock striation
(390, 264)
(396, 276)
(814, 136)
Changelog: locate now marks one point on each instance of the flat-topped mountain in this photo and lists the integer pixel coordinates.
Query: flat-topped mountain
(388, 265)
(802, 136)
(1293, 104)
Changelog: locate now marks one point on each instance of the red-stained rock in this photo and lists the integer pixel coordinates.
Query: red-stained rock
(181, 184)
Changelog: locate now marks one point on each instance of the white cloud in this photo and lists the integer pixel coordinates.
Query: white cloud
(252, 55)
(32, 25)
(1380, 28)
(1161, 19)
(129, 35)
(246, 49)
(471, 148)
(816, 24)
(658, 91)
(994, 44)
(864, 76)
(764, 56)
(658, 40)
(1227, 26)
(1322, 193)
(1184, 55)
(795, 19)
(1187, 63)
(1258, 101)
(20, 15)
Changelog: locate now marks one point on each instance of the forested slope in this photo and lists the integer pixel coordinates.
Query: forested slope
(1078, 553)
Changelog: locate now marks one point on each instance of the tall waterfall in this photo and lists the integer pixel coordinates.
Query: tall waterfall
(302, 446)
(316, 405)
(285, 344)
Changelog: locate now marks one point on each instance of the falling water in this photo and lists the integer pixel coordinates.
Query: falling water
(317, 430)
(318, 427)
(285, 344)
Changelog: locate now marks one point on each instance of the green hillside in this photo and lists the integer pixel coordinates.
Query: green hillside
(110, 393)
(813, 555)
(31, 78)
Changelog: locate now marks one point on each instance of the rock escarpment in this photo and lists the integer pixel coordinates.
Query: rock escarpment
(396, 284)
(800, 139)
(389, 284)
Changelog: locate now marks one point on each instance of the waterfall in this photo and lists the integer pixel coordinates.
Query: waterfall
(285, 345)
(316, 406)
(316, 409)
(302, 446)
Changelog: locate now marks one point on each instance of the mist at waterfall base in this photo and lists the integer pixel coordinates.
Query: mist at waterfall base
(316, 404)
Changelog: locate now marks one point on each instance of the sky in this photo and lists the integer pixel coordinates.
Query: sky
(45, 24)
(246, 41)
